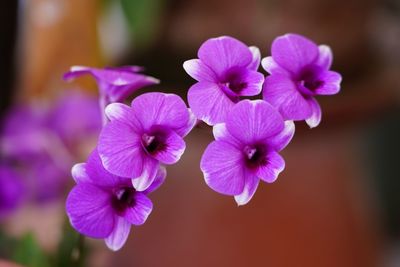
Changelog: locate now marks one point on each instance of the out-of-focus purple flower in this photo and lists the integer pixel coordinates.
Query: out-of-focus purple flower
(115, 84)
(105, 206)
(225, 70)
(22, 130)
(41, 141)
(35, 151)
(75, 117)
(138, 138)
(45, 177)
(11, 190)
(299, 71)
(246, 150)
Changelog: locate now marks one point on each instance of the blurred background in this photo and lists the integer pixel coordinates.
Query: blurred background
(337, 202)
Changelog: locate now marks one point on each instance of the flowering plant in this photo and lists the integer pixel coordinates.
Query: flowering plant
(137, 141)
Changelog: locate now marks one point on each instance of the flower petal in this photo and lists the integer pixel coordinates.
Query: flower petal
(325, 57)
(79, 174)
(256, 58)
(270, 66)
(119, 235)
(221, 133)
(199, 71)
(209, 103)
(99, 175)
(293, 52)
(137, 215)
(222, 166)
(89, 210)
(252, 121)
(158, 180)
(116, 84)
(75, 72)
(123, 113)
(122, 88)
(146, 178)
(128, 68)
(253, 80)
(172, 149)
(12, 190)
(315, 118)
(121, 150)
(331, 84)
(275, 165)
(223, 53)
(282, 93)
(281, 140)
(187, 128)
(162, 109)
(250, 187)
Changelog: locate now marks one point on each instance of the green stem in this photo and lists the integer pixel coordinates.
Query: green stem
(78, 254)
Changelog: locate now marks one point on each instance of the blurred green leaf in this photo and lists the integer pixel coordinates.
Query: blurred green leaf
(70, 246)
(29, 253)
(7, 245)
(143, 18)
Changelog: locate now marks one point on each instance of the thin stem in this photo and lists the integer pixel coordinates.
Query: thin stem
(78, 254)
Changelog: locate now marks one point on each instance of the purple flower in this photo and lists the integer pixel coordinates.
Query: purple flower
(115, 84)
(105, 206)
(246, 150)
(75, 117)
(22, 131)
(46, 177)
(225, 70)
(40, 141)
(11, 190)
(299, 71)
(138, 138)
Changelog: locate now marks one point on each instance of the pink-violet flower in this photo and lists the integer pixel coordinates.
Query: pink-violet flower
(138, 138)
(104, 206)
(225, 70)
(299, 71)
(35, 151)
(246, 149)
(115, 84)
(12, 190)
(40, 141)
(75, 117)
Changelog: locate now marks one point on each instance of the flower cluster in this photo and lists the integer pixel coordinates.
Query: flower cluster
(38, 144)
(135, 143)
(249, 134)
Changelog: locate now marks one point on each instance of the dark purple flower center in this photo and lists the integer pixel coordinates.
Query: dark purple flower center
(255, 156)
(309, 79)
(154, 141)
(122, 199)
(233, 83)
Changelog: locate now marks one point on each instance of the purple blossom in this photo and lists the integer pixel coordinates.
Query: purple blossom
(40, 141)
(105, 206)
(299, 71)
(46, 177)
(225, 70)
(246, 150)
(75, 117)
(11, 190)
(115, 84)
(34, 150)
(138, 138)
(22, 130)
